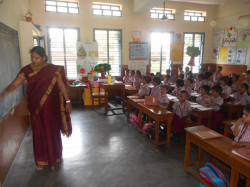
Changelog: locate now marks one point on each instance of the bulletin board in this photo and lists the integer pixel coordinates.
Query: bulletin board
(138, 50)
(138, 65)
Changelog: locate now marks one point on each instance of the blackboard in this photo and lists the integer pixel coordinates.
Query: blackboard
(10, 65)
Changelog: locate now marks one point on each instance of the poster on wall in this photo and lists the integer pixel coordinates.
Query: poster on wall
(138, 50)
(178, 38)
(230, 36)
(223, 53)
(87, 57)
(216, 53)
(243, 39)
(176, 52)
(231, 55)
(241, 55)
(218, 35)
(137, 65)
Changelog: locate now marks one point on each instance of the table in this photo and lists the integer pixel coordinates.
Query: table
(231, 109)
(220, 148)
(114, 86)
(154, 112)
(130, 90)
(227, 127)
(75, 93)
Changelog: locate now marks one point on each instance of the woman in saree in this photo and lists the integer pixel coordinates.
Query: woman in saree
(48, 104)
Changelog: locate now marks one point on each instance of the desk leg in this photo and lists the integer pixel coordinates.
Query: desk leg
(187, 153)
(157, 127)
(106, 103)
(168, 132)
(128, 111)
(79, 93)
(234, 176)
(123, 100)
(140, 119)
(200, 156)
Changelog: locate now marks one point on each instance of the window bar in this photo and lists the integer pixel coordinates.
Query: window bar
(64, 49)
(108, 48)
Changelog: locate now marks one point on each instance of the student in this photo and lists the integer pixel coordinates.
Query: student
(144, 89)
(177, 90)
(186, 72)
(163, 100)
(151, 75)
(201, 71)
(190, 75)
(217, 75)
(158, 74)
(180, 70)
(126, 77)
(168, 72)
(166, 81)
(209, 68)
(226, 83)
(242, 96)
(208, 79)
(197, 83)
(173, 77)
(181, 76)
(181, 112)
(241, 129)
(187, 85)
(131, 78)
(204, 91)
(247, 81)
(156, 91)
(137, 79)
(216, 102)
(234, 86)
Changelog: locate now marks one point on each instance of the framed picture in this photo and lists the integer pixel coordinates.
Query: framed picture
(1, 1)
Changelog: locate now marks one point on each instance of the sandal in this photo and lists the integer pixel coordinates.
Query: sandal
(39, 167)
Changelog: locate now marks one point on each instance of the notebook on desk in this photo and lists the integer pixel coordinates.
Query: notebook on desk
(151, 100)
(208, 134)
(243, 152)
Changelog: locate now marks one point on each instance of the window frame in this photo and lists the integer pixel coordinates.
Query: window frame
(61, 6)
(171, 62)
(162, 13)
(201, 60)
(106, 9)
(94, 29)
(64, 47)
(194, 16)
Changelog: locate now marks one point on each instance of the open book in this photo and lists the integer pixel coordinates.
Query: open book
(208, 134)
(243, 152)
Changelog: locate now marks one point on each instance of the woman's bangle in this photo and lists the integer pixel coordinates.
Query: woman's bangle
(68, 101)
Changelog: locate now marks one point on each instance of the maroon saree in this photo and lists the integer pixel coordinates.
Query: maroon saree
(47, 111)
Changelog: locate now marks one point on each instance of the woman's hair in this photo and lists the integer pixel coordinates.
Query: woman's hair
(217, 88)
(234, 74)
(180, 82)
(207, 74)
(245, 85)
(181, 76)
(147, 79)
(40, 51)
(200, 76)
(228, 80)
(132, 71)
(138, 72)
(247, 108)
(206, 88)
(157, 80)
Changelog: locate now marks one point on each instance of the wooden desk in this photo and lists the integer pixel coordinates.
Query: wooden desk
(220, 148)
(231, 109)
(154, 112)
(114, 86)
(130, 90)
(227, 127)
(75, 93)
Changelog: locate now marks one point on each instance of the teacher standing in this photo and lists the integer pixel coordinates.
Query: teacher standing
(49, 106)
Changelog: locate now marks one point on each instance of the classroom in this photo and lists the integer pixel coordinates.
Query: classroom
(129, 93)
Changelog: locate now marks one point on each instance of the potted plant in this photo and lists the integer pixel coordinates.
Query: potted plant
(193, 52)
(28, 16)
(102, 68)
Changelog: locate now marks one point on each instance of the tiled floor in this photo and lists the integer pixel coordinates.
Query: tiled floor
(104, 152)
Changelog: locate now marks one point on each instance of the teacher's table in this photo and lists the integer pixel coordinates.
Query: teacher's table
(220, 148)
(231, 109)
(114, 86)
(130, 90)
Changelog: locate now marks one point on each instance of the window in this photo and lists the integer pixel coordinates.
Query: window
(62, 7)
(195, 16)
(107, 10)
(110, 48)
(160, 51)
(158, 13)
(197, 40)
(62, 48)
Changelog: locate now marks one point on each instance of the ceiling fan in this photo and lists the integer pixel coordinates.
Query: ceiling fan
(164, 17)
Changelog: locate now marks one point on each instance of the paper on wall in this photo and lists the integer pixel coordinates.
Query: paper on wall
(241, 55)
(231, 55)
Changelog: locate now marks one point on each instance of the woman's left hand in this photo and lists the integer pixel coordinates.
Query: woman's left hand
(68, 107)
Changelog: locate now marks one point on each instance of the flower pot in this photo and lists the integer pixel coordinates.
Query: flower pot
(28, 19)
(191, 62)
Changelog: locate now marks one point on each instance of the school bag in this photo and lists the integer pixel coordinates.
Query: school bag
(213, 176)
(134, 119)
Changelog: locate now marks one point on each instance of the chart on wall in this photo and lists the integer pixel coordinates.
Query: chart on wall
(241, 55)
(223, 53)
(137, 65)
(243, 39)
(231, 55)
(230, 36)
(216, 53)
(218, 35)
(176, 52)
(87, 57)
(138, 51)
